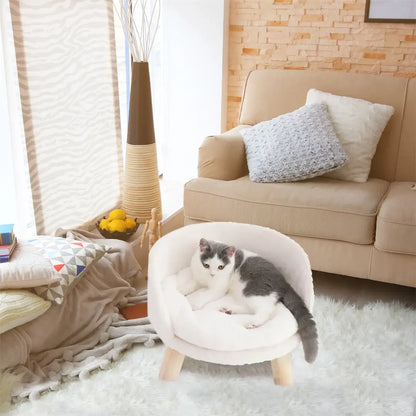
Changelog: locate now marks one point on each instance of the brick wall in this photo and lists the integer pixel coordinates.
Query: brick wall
(313, 34)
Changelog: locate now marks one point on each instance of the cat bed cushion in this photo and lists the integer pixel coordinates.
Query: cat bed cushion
(209, 328)
(208, 334)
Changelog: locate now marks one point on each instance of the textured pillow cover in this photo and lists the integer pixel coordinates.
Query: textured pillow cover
(70, 259)
(294, 146)
(49, 265)
(358, 124)
(27, 268)
(18, 307)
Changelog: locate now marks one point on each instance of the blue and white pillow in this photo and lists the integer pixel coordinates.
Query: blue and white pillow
(294, 146)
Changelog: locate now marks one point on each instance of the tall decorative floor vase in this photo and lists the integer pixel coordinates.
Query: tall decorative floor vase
(141, 191)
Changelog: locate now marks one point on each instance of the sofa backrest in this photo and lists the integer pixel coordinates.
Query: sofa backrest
(271, 92)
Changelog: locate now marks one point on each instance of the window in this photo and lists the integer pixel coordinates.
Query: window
(15, 195)
(72, 115)
(187, 67)
(8, 206)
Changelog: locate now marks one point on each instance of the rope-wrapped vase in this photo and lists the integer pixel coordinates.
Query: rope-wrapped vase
(141, 182)
(141, 191)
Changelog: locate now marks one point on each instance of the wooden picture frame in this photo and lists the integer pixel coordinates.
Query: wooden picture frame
(390, 11)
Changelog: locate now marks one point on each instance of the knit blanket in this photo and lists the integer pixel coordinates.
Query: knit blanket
(84, 333)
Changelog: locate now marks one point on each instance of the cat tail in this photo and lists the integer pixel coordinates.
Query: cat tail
(306, 324)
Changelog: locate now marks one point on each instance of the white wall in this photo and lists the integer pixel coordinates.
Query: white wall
(194, 62)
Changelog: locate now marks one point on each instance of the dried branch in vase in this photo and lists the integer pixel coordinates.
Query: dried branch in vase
(140, 21)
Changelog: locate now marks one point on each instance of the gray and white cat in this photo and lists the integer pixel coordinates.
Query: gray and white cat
(255, 284)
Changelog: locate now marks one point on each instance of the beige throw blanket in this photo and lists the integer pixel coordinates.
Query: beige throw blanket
(85, 332)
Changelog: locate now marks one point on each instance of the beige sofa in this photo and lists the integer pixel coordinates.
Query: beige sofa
(365, 230)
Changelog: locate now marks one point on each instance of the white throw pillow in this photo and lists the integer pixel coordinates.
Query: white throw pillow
(50, 265)
(358, 124)
(18, 307)
(294, 146)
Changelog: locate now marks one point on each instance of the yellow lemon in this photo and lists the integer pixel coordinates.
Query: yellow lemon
(117, 225)
(104, 224)
(130, 223)
(117, 214)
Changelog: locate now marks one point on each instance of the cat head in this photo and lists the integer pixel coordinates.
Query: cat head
(217, 259)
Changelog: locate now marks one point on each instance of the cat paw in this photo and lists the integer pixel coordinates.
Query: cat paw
(251, 325)
(226, 310)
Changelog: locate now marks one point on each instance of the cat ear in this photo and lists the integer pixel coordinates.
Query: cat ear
(204, 245)
(230, 251)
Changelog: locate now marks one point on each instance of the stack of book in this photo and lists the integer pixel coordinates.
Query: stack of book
(8, 242)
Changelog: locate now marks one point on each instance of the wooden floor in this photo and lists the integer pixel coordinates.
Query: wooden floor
(361, 291)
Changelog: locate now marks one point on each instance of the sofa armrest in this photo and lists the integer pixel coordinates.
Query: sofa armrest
(223, 156)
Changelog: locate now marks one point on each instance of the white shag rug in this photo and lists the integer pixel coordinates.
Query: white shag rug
(366, 366)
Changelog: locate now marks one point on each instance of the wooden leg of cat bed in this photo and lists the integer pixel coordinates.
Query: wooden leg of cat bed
(171, 366)
(282, 370)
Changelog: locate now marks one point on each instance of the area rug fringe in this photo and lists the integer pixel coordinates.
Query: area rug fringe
(121, 335)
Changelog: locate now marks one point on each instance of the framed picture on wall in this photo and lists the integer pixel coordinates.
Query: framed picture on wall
(390, 11)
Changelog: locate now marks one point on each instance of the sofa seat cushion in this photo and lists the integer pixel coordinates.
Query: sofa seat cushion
(319, 207)
(396, 222)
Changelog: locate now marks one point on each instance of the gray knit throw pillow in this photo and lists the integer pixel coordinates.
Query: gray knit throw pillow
(293, 146)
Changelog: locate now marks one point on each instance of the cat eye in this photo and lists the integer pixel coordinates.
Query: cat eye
(206, 265)
(220, 267)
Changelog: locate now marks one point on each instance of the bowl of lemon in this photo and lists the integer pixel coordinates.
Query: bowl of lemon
(117, 225)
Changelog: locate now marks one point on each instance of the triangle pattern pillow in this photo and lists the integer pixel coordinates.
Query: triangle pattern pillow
(294, 146)
(69, 259)
(358, 124)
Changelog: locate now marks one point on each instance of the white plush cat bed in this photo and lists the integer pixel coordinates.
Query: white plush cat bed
(208, 334)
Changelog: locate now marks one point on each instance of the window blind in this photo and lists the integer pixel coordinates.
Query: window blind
(66, 62)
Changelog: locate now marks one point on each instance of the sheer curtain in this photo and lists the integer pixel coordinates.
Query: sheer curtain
(15, 192)
(67, 72)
